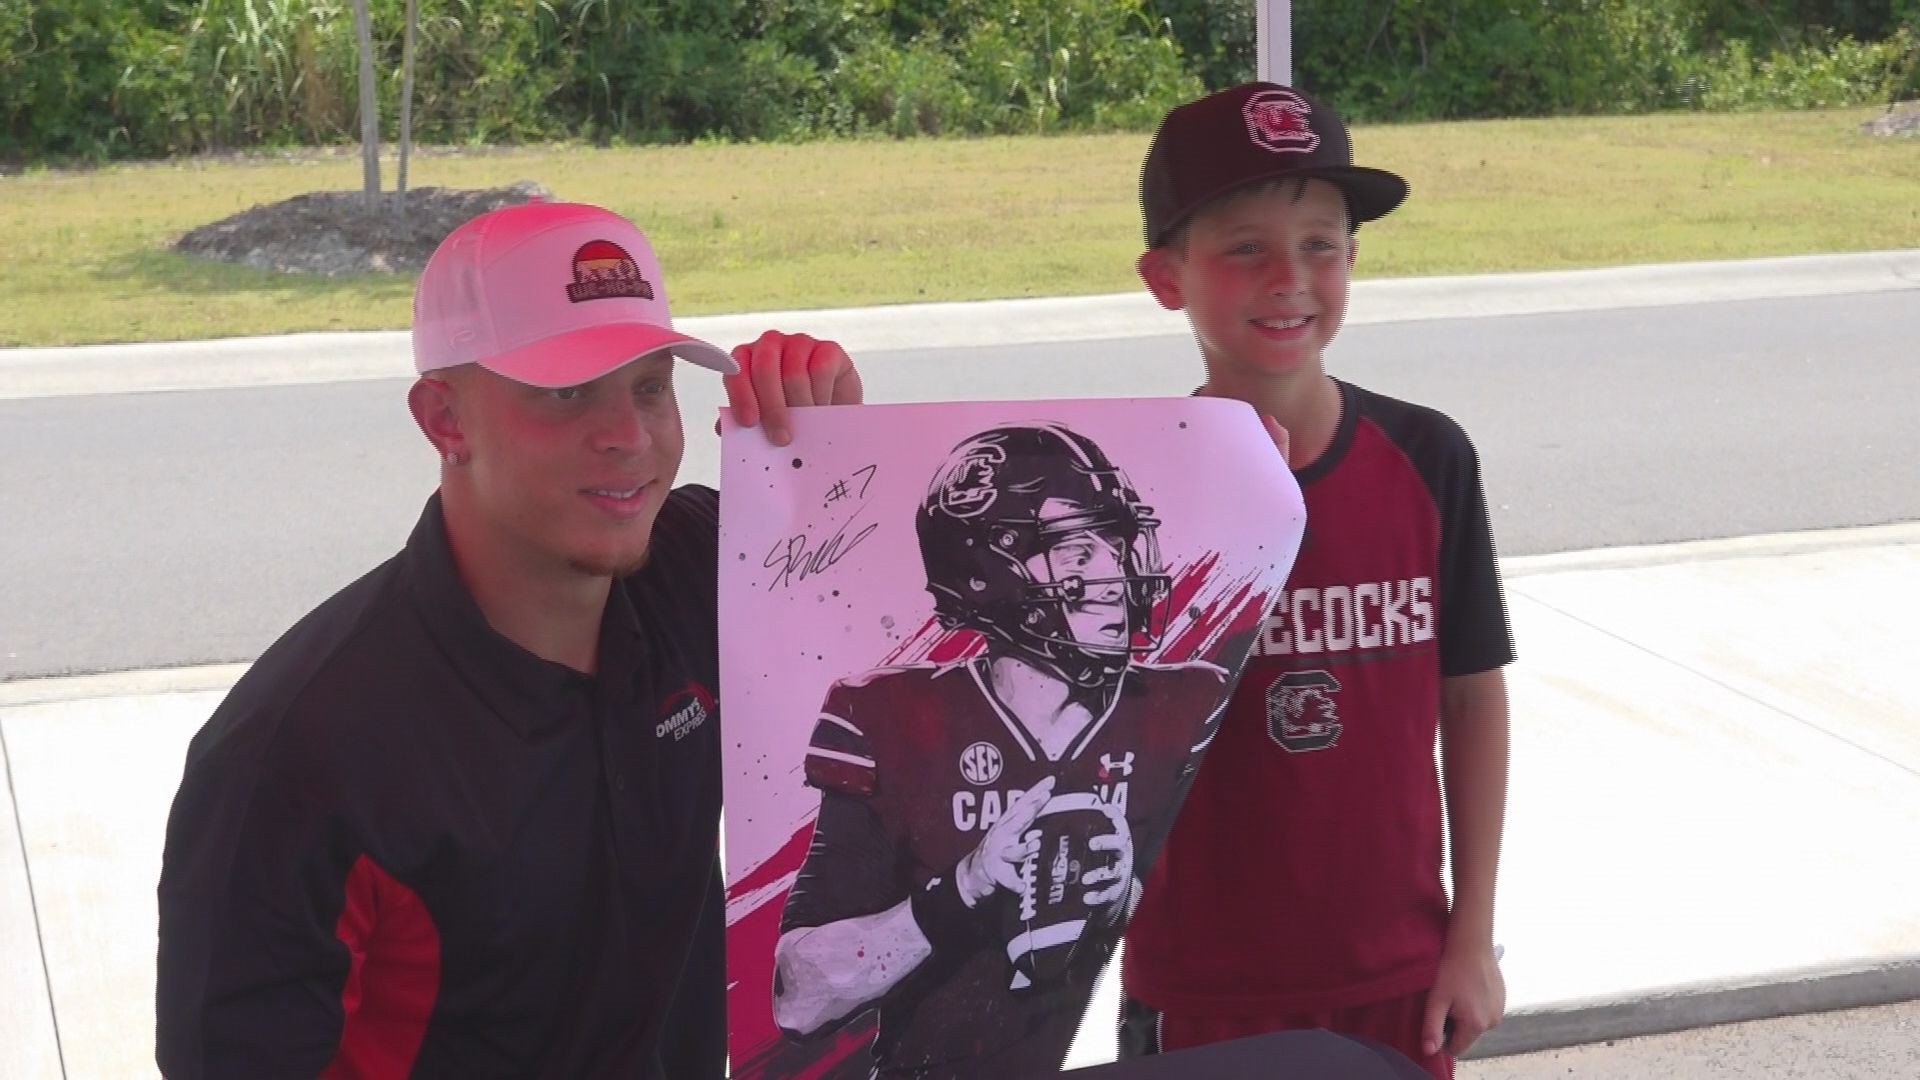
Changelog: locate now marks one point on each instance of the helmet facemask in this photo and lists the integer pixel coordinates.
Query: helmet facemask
(1095, 593)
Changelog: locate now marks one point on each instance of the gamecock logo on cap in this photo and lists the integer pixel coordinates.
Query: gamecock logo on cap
(1277, 120)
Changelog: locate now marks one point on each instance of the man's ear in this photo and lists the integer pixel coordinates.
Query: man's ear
(434, 404)
(1159, 268)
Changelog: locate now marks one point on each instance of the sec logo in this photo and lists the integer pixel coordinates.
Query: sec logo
(980, 764)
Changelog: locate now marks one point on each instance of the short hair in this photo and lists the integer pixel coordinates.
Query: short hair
(1176, 237)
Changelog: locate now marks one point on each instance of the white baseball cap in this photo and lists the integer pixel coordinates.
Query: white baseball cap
(547, 294)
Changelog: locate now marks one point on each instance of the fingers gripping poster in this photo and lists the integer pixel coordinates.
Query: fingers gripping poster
(971, 655)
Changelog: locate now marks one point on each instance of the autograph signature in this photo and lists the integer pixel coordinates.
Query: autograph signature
(793, 560)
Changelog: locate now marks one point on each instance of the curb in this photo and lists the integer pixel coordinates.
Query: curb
(86, 686)
(1706, 1004)
(1757, 546)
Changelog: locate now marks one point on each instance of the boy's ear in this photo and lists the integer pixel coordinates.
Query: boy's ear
(1157, 268)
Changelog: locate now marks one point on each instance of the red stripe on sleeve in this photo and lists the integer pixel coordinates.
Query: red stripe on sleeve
(395, 977)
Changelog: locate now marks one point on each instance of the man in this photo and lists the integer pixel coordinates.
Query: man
(982, 824)
(435, 830)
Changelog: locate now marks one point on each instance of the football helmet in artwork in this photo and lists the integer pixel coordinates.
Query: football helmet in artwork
(1032, 536)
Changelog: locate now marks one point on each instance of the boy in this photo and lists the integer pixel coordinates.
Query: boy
(1301, 885)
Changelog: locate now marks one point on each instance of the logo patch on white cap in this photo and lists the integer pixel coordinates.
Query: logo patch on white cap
(1277, 121)
(603, 269)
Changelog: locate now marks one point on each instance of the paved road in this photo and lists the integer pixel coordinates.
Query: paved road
(1858, 1044)
(148, 530)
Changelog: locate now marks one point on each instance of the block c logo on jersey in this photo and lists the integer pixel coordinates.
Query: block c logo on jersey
(1301, 712)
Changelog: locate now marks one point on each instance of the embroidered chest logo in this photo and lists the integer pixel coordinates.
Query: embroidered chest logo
(1302, 714)
(981, 763)
(603, 269)
(684, 713)
(1277, 121)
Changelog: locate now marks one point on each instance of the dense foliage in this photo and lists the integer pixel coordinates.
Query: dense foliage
(139, 77)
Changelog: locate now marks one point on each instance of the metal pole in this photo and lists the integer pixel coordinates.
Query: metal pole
(1273, 40)
(406, 102)
(369, 107)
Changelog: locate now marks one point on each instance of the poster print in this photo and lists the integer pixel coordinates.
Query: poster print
(971, 655)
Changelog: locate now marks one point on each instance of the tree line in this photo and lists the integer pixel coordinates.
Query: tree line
(130, 78)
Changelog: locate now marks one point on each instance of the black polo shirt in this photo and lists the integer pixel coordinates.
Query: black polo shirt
(404, 846)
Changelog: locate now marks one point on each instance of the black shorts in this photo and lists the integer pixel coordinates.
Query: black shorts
(1139, 1029)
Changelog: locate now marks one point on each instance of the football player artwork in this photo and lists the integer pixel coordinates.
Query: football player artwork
(971, 663)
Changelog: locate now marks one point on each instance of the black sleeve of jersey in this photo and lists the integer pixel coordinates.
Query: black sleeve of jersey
(850, 868)
(1473, 629)
(252, 884)
(693, 1041)
(1475, 635)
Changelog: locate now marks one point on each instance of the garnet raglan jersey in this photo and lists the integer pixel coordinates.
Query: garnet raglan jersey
(918, 763)
(1304, 870)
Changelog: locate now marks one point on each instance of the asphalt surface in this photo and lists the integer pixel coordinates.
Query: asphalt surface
(161, 529)
(1881, 1043)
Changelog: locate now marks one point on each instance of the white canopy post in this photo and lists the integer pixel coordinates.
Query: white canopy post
(1273, 40)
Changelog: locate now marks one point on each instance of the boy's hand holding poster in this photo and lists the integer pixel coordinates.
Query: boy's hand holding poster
(971, 655)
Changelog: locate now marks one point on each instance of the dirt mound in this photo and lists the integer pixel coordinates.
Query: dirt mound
(333, 232)
(1904, 120)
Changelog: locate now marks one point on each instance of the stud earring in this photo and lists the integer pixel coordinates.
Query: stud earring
(453, 457)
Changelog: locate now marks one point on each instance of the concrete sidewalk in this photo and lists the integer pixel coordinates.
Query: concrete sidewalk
(1716, 787)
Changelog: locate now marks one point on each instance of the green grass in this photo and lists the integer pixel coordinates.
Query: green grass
(751, 228)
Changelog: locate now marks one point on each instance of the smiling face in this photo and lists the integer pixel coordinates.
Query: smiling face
(566, 478)
(1263, 276)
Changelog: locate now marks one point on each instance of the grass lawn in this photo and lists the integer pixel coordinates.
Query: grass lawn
(747, 228)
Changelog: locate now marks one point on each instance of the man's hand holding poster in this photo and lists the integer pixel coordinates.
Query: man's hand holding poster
(972, 655)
